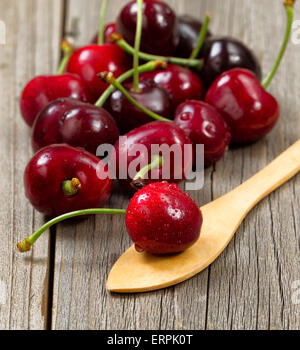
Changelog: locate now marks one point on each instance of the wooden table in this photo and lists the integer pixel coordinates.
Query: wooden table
(61, 284)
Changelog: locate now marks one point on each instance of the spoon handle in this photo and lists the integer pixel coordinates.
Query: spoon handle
(279, 171)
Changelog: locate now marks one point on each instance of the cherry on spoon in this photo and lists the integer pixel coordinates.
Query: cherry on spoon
(153, 225)
(140, 272)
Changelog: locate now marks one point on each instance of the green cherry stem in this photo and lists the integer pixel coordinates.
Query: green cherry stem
(25, 245)
(102, 22)
(201, 38)
(71, 187)
(289, 7)
(109, 78)
(137, 45)
(147, 67)
(138, 181)
(67, 50)
(118, 40)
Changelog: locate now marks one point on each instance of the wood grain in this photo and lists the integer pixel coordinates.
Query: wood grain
(33, 33)
(248, 287)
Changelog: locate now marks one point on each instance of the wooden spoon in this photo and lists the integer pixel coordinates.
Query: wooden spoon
(141, 272)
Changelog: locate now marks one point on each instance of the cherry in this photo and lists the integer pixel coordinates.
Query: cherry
(75, 123)
(88, 61)
(250, 111)
(188, 28)
(159, 36)
(150, 95)
(41, 90)
(199, 121)
(204, 125)
(160, 219)
(80, 124)
(109, 29)
(154, 133)
(181, 83)
(61, 178)
(223, 53)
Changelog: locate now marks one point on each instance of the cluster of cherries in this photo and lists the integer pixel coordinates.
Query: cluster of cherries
(198, 89)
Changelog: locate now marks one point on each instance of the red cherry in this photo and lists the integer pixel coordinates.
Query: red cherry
(155, 133)
(88, 61)
(204, 125)
(249, 110)
(159, 36)
(48, 178)
(41, 90)
(150, 95)
(75, 123)
(109, 29)
(221, 54)
(181, 83)
(189, 28)
(161, 219)
(197, 120)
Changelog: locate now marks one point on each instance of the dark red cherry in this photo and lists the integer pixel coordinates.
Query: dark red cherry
(181, 83)
(75, 123)
(189, 28)
(88, 61)
(150, 95)
(161, 219)
(159, 35)
(41, 90)
(109, 29)
(154, 133)
(61, 179)
(249, 110)
(203, 124)
(222, 54)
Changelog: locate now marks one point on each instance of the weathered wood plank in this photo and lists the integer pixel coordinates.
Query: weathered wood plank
(249, 286)
(33, 33)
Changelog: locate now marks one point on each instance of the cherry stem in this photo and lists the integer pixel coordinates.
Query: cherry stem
(67, 50)
(71, 187)
(25, 245)
(109, 78)
(202, 36)
(118, 40)
(147, 67)
(102, 22)
(289, 7)
(137, 45)
(138, 181)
